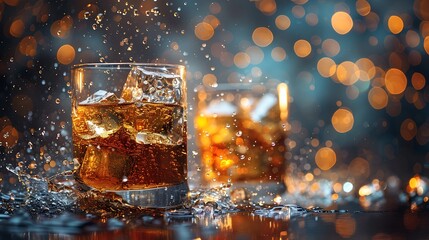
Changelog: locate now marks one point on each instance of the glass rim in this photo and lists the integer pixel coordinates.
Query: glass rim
(96, 65)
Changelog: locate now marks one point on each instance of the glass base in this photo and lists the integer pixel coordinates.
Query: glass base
(162, 197)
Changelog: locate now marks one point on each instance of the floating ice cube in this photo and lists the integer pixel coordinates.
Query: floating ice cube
(220, 108)
(132, 91)
(100, 96)
(147, 85)
(263, 107)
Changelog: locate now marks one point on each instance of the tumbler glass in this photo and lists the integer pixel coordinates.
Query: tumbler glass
(129, 131)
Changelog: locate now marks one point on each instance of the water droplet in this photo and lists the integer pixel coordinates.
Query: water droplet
(86, 15)
(239, 133)
(57, 101)
(194, 153)
(94, 26)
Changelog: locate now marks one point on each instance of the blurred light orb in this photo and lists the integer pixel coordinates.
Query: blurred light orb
(241, 60)
(341, 22)
(330, 47)
(262, 36)
(256, 54)
(66, 54)
(366, 69)
(302, 48)
(363, 7)
(377, 98)
(395, 81)
(204, 31)
(210, 80)
(348, 73)
(342, 120)
(418, 81)
(28, 46)
(278, 54)
(408, 129)
(426, 44)
(282, 22)
(395, 24)
(325, 158)
(17, 28)
(326, 67)
(347, 187)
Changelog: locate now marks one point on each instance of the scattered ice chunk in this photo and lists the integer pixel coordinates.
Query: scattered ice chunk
(221, 108)
(101, 96)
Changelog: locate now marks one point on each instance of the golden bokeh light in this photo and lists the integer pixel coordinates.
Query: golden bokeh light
(282, 22)
(17, 28)
(395, 24)
(342, 120)
(267, 7)
(8, 136)
(418, 81)
(262, 36)
(341, 22)
(421, 8)
(312, 19)
(330, 47)
(241, 60)
(302, 48)
(426, 44)
(298, 11)
(363, 7)
(256, 54)
(278, 54)
(359, 167)
(212, 20)
(412, 38)
(325, 158)
(210, 80)
(347, 73)
(204, 31)
(326, 67)
(215, 8)
(378, 98)
(66, 54)
(395, 81)
(366, 68)
(28, 46)
(408, 129)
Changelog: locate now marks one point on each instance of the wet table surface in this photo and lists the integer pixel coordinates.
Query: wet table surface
(342, 224)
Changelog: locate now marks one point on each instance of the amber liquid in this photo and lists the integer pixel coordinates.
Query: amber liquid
(130, 146)
(234, 148)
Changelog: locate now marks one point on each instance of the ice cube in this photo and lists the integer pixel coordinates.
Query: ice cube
(153, 138)
(103, 163)
(263, 107)
(104, 130)
(144, 84)
(132, 90)
(221, 108)
(151, 86)
(100, 96)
